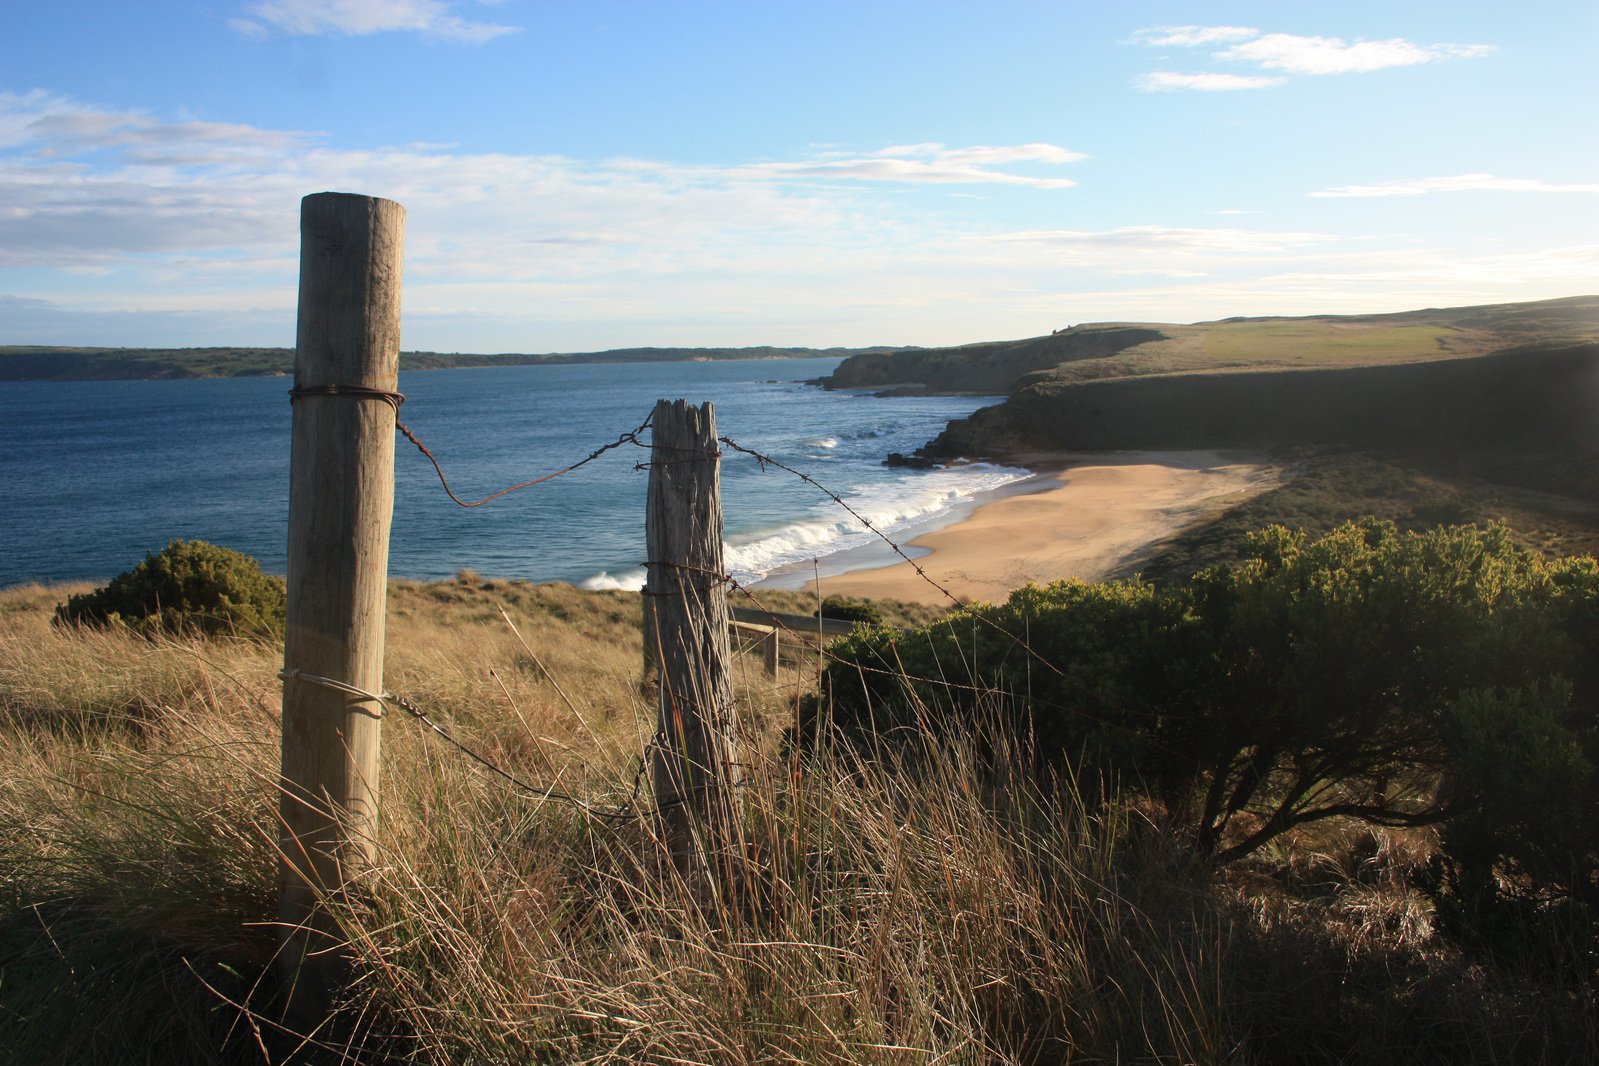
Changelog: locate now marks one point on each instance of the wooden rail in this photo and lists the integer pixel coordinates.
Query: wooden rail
(798, 625)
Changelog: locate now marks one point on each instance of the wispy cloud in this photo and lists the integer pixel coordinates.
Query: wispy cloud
(1330, 55)
(53, 126)
(79, 182)
(1456, 183)
(170, 214)
(925, 164)
(1167, 81)
(1287, 53)
(123, 227)
(355, 18)
(1191, 36)
(1167, 240)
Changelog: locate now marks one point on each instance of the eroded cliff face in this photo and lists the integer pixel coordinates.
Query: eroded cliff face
(994, 368)
(1503, 387)
(1527, 402)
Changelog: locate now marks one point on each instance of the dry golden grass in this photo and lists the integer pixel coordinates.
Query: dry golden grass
(957, 912)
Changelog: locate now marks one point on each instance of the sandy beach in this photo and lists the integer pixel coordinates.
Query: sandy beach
(1082, 516)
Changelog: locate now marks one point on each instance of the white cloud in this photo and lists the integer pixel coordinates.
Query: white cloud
(920, 164)
(1165, 81)
(1330, 55)
(1190, 36)
(1019, 153)
(1456, 183)
(1286, 53)
(80, 181)
(123, 228)
(355, 18)
(53, 125)
(1167, 240)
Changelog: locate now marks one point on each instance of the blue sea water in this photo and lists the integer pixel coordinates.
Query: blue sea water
(93, 475)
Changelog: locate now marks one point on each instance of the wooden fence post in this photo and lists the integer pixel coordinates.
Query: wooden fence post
(694, 766)
(341, 501)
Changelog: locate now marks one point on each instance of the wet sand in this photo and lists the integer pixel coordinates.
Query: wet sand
(1082, 516)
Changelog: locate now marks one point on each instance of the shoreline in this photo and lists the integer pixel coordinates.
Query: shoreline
(1078, 515)
(1082, 515)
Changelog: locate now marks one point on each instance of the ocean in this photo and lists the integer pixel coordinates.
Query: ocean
(95, 475)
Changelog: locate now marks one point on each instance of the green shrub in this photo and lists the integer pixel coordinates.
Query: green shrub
(1317, 680)
(1517, 875)
(188, 587)
(851, 609)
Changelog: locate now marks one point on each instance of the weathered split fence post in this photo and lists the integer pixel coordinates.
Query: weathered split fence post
(694, 763)
(341, 501)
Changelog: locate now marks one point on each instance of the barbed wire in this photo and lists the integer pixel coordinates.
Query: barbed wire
(628, 807)
(630, 437)
(409, 706)
(766, 460)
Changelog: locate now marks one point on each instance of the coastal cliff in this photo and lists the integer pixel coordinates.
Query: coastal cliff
(1476, 383)
(1525, 401)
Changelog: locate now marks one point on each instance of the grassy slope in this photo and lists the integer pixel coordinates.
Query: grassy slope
(988, 368)
(1098, 351)
(956, 911)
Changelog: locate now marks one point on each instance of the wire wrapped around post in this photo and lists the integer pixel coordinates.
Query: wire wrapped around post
(694, 765)
(341, 502)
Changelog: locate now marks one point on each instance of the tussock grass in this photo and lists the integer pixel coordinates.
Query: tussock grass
(930, 906)
(87, 680)
(866, 916)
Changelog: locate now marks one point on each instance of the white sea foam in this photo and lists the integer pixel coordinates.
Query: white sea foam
(627, 581)
(890, 507)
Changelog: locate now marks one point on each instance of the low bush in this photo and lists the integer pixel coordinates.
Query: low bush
(1444, 678)
(188, 587)
(851, 609)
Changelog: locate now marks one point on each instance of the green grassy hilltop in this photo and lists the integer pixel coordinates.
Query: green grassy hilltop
(1104, 350)
(1464, 414)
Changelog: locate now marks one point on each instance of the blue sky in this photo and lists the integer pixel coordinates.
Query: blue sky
(591, 175)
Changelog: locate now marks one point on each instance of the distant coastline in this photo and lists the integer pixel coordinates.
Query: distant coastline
(58, 363)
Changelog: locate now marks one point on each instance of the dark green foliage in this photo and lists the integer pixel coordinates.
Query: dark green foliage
(852, 609)
(1322, 678)
(1519, 870)
(188, 587)
(1332, 486)
(1444, 678)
